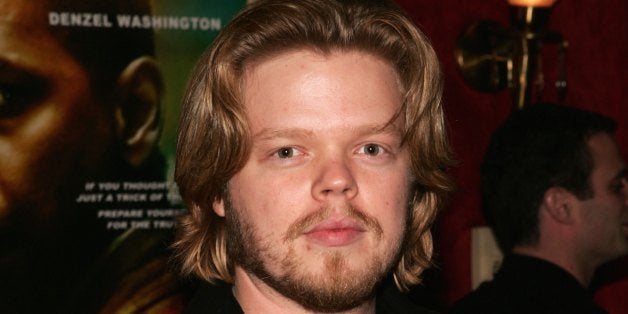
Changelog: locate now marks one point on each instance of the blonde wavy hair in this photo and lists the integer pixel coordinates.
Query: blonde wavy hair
(213, 141)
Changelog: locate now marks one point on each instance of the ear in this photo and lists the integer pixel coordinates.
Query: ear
(219, 207)
(137, 109)
(557, 204)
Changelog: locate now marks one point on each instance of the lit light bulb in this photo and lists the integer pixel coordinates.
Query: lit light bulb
(532, 3)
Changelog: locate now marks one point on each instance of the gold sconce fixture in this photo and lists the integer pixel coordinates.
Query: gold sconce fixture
(491, 57)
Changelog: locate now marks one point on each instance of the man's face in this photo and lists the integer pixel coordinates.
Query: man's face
(319, 210)
(52, 129)
(605, 215)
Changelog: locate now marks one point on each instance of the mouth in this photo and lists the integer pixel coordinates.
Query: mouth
(335, 232)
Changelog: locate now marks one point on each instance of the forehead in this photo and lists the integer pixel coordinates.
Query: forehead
(304, 79)
(607, 161)
(26, 42)
(330, 93)
(20, 18)
(296, 60)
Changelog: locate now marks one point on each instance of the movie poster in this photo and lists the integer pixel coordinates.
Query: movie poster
(89, 105)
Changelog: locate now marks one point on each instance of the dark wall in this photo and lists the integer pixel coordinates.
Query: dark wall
(597, 72)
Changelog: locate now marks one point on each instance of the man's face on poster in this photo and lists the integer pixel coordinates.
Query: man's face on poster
(53, 130)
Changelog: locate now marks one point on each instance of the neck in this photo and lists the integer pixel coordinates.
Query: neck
(255, 296)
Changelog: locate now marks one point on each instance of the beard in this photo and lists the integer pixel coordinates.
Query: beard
(337, 288)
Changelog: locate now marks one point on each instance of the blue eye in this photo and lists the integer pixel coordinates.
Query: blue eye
(285, 152)
(372, 149)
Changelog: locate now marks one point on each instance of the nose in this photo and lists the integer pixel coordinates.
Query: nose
(334, 180)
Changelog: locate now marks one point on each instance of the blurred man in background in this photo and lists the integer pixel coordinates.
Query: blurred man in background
(555, 194)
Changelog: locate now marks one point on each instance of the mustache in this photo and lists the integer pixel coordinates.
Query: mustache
(298, 227)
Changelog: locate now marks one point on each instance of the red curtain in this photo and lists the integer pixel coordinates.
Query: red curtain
(597, 73)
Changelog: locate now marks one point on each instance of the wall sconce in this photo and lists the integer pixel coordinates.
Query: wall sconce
(491, 57)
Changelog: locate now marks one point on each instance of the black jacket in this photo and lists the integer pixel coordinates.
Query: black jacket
(219, 299)
(526, 284)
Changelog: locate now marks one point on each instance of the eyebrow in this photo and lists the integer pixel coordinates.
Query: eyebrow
(621, 174)
(371, 129)
(12, 71)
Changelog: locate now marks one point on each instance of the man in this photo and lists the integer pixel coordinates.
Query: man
(311, 155)
(77, 105)
(555, 194)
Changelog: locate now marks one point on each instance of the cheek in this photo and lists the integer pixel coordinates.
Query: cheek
(56, 142)
(608, 211)
(35, 150)
(270, 203)
(84, 126)
(388, 199)
(40, 162)
(271, 188)
(76, 143)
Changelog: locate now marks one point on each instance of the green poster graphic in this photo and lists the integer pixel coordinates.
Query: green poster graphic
(89, 105)
(179, 50)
